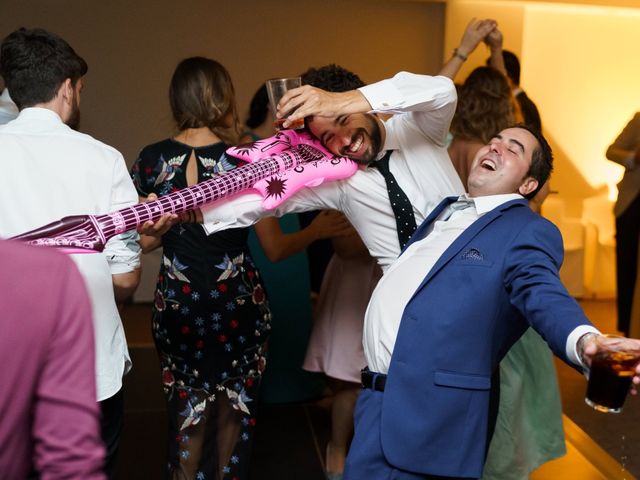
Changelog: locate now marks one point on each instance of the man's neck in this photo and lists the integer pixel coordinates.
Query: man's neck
(54, 105)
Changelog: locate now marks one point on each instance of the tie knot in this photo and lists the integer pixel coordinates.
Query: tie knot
(462, 203)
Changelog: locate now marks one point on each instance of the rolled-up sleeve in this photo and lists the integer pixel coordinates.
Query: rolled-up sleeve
(123, 251)
(430, 100)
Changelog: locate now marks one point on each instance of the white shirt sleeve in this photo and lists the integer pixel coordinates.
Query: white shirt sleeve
(122, 251)
(246, 209)
(572, 343)
(431, 99)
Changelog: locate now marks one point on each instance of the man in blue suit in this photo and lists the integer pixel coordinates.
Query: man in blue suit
(476, 274)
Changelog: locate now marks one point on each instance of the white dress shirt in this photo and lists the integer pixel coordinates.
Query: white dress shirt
(423, 108)
(8, 109)
(51, 171)
(405, 275)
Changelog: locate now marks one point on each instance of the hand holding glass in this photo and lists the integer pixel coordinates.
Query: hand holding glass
(276, 88)
(612, 369)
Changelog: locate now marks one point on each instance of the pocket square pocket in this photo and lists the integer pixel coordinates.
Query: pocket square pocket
(473, 256)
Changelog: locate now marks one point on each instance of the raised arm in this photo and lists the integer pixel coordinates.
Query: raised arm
(475, 32)
(496, 60)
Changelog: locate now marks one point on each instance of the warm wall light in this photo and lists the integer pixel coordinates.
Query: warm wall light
(581, 65)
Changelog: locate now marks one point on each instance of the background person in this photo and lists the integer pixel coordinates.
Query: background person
(50, 421)
(210, 320)
(625, 151)
(57, 171)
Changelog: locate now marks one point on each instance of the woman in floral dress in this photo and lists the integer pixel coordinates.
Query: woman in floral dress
(210, 318)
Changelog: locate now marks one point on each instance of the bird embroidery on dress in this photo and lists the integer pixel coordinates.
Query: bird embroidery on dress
(213, 166)
(193, 413)
(229, 266)
(239, 400)
(165, 171)
(174, 269)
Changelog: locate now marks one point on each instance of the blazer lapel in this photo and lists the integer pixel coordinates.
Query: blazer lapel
(420, 231)
(474, 229)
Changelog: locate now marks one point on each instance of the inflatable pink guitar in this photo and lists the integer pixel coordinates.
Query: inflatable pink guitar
(279, 166)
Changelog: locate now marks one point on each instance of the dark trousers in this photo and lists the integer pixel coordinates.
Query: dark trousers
(627, 234)
(112, 413)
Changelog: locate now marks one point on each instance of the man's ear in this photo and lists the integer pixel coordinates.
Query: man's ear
(529, 185)
(66, 91)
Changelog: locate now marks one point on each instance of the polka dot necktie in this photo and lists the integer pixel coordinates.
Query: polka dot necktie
(400, 204)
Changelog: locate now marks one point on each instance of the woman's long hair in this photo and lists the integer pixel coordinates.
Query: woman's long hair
(485, 106)
(201, 94)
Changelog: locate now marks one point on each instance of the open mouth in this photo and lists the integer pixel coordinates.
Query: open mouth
(488, 164)
(356, 144)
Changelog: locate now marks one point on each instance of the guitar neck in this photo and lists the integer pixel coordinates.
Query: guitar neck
(189, 198)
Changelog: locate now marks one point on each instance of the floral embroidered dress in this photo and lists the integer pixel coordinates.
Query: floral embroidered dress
(210, 324)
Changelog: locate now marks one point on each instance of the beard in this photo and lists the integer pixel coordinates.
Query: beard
(74, 117)
(374, 135)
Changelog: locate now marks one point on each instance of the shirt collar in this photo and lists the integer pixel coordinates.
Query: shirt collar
(390, 139)
(487, 203)
(39, 113)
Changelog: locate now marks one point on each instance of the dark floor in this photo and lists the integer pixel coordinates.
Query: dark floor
(290, 437)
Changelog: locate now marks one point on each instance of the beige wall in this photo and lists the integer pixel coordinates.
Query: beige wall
(133, 46)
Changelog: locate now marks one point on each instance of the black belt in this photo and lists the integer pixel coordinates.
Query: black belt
(373, 380)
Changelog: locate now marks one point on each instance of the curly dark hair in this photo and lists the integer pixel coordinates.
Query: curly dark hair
(485, 106)
(332, 78)
(35, 62)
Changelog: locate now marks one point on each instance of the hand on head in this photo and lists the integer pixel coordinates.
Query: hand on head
(305, 101)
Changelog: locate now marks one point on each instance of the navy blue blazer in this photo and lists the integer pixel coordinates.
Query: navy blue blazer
(499, 277)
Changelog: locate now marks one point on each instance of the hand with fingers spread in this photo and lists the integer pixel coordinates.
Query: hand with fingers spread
(304, 101)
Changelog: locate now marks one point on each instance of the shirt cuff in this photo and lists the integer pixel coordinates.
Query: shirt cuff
(572, 343)
(217, 216)
(383, 95)
(123, 252)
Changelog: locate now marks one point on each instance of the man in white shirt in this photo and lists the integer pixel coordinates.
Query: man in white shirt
(476, 274)
(416, 137)
(54, 171)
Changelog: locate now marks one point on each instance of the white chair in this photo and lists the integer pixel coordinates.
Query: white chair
(573, 235)
(600, 247)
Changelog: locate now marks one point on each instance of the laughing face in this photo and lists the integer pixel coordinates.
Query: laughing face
(357, 136)
(502, 166)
